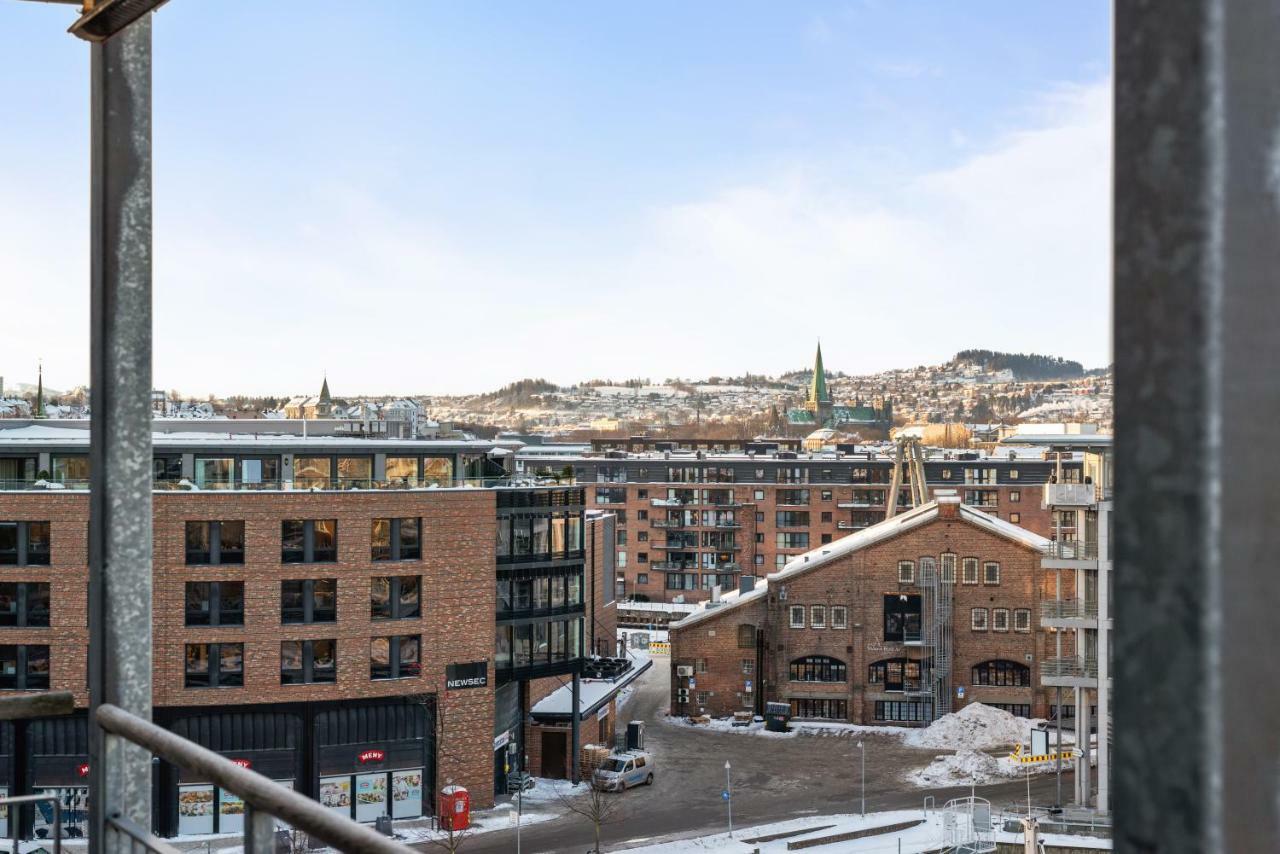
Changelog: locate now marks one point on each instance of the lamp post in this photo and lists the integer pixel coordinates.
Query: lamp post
(728, 795)
(862, 756)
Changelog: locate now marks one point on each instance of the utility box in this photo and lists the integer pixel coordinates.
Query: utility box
(777, 717)
(635, 735)
(455, 808)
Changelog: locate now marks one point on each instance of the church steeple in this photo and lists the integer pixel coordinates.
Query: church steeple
(818, 392)
(324, 391)
(40, 389)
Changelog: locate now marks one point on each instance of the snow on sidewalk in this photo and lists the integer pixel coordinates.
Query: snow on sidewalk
(915, 840)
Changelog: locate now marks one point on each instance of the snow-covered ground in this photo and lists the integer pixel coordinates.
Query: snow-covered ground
(757, 728)
(975, 727)
(921, 838)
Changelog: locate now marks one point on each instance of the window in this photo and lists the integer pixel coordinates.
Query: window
(748, 666)
(826, 516)
(1022, 619)
(979, 475)
(215, 603)
(24, 603)
(793, 540)
(797, 616)
(24, 543)
(611, 495)
(746, 636)
(970, 569)
(948, 568)
(818, 668)
(793, 496)
(643, 515)
(396, 597)
(309, 600)
(1015, 495)
(215, 542)
(642, 536)
(818, 617)
(304, 662)
(826, 493)
(839, 617)
(979, 619)
(1018, 710)
(1005, 674)
(792, 519)
(622, 560)
(309, 540)
(622, 537)
(999, 619)
(895, 674)
(642, 578)
(759, 560)
(700, 665)
(759, 493)
(991, 573)
(24, 667)
(395, 657)
(902, 617)
(702, 697)
(759, 537)
(981, 498)
(1015, 518)
(906, 571)
(908, 711)
(642, 557)
(830, 710)
(396, 539)
(214, 665)
(946, 474)
(826, 538)
(1013, 474)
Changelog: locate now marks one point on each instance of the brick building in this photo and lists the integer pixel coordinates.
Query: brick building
(360, 619)
(689, 520)
(898, 623)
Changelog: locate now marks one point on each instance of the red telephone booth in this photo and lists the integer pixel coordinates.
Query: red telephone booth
(455, 808)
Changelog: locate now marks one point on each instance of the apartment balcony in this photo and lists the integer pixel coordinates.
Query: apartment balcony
(1070, 554)
(675, 565)
(1069, 614)
(860, 505)
(1069, 495)
(676, 546)
(1069, 672)
(723, 502)
(669, 523)
(331, 484)
(725, 525)
(849, 526)
(673, 502)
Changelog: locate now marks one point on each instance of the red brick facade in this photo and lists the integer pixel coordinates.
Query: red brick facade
(720, 648)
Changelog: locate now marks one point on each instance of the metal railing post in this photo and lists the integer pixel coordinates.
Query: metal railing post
(120, 427)
(259, 831)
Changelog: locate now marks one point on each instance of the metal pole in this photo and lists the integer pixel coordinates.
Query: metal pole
(120, 425)
(1197, 178)
(576, 731)
(728, 787)
(259, 831)
(862, 755)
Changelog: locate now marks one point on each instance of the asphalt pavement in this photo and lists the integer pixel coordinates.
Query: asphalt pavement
(773, 780)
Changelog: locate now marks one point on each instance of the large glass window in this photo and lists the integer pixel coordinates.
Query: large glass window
(396, 539)
(24, 603)
(895, 674)
(312, 472)
(215, 603)
(395, 597)
(214, 665)
(355, 472)
(70, 468)
(1009, 674)
(215, 472)
(820, 708)
(309, 540)
(395, 657)
(902, 617)
(309, 600)
(818, 668)
(308, 661)
(402, 470)
(215, 542)
(24, 667)
(24, 543)
(437, 471)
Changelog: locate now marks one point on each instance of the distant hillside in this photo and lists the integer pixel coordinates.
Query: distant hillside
(518, 393)
(1025, 366)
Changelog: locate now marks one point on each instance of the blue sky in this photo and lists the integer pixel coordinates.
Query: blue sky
(427, 197)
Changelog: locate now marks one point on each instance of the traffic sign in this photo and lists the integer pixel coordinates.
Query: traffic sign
(724, 795)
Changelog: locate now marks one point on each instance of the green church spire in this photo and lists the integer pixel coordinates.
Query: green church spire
(818, 392)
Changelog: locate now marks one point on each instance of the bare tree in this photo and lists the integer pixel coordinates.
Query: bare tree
(451, 840)
(594, 804)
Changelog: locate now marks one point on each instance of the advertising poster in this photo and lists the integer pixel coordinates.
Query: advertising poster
(371, 796)
(335, 793)
(195, 810)
(230, 812)
(406, 793)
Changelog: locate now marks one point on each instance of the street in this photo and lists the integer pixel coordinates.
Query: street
(773, 780)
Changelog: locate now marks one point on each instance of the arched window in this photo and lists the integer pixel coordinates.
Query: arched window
(746, 636)
(895, 674)
(1006, 674)
(818, 668)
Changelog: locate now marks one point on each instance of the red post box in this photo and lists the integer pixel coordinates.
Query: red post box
(455, 808)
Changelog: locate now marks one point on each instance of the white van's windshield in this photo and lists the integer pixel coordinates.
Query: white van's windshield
(615, 765)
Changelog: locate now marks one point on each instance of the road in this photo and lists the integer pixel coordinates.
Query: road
(773, 780)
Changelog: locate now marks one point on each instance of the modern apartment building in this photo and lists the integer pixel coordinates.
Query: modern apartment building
(362, 619)
(901, 622)
(688, 521)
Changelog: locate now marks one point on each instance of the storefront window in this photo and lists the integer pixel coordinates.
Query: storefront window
(335, 794)
(371, 796)
(195, 809)
(74, 803)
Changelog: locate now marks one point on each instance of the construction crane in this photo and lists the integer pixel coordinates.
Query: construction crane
(908, 452)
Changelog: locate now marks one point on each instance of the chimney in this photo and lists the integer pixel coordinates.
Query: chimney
(746, 583)
(948, 503)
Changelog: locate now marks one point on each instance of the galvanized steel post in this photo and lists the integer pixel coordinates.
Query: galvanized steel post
(120, 426)
(1197, 308)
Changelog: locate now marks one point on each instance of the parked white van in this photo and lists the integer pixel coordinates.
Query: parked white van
(623, 770)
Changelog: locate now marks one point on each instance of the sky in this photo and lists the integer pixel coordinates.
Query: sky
(421, 197)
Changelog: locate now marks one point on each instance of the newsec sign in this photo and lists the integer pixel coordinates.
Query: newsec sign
(474, 674)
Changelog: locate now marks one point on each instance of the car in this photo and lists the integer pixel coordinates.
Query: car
(621, 771)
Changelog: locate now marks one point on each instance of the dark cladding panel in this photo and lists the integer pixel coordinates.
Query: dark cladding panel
(58, 736)
(371, 723)
(506, 715)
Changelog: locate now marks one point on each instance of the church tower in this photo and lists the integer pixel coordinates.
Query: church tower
(819, 400)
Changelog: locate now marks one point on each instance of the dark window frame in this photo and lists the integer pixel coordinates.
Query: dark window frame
(217, 616)
(23, 679)
(396, 549)
(395, 586)
(307, 673)
(394, 664)
(215, 676)
(309, 610)
(309, 551)
(822, 669)
(23, 553)
(216, 555)
(22, 615)
(1001, 673)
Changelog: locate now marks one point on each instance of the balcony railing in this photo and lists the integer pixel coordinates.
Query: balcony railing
(264, 799)
(1069, 494)
(1069, 668)
(332, 484)
(677, 565)
(1069, 609)
(669, 523)
(1071, 550)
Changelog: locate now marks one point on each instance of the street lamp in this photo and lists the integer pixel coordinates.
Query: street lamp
(728, 795)
(862, 755)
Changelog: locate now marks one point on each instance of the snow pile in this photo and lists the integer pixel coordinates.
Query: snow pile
(966, 766)
(975, 727)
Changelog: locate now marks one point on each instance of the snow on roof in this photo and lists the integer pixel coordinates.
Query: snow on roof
(592, 694)
(877, 533)
(49, 435)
